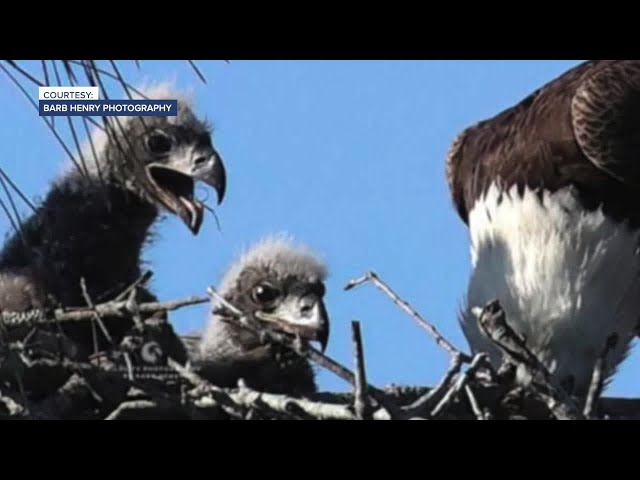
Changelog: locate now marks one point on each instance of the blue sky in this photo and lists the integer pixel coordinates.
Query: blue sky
(347, 156)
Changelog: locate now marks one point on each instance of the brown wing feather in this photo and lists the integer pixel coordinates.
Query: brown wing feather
(454, 156)
(566, 133)
(606, 119)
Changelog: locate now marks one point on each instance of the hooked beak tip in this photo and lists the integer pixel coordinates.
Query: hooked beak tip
(220, 180)
(221, 192)
(323, 338)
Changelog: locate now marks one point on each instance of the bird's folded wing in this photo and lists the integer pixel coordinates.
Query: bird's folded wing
(606, 119)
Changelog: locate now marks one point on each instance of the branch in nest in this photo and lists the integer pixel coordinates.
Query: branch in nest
(134, 405)
(474, 402)
(294, 406)
(96, 317)
(220, 398)
(237, 401)
(494, 323)
(478, 361)
(361, 404)
(12, 405)
(407, 308)
(597, 379)
(427, 401)
(119, 309)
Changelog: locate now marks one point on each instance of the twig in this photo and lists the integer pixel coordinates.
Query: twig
(407, 308)
(425, 402)
(360, 401)
(462, 380)
(253, 399)
(222, 398)
(134, 308)
(14, 409)
(494, 323)
(132, 405)
(96, 317)
(142, 280)
(597, 379)
(113, 309)
(197, 70)
(474, 403)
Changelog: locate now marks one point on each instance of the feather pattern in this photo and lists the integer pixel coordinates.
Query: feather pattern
(549, 189)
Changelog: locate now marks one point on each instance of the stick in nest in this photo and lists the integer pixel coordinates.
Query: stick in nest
(118, 309)
(473, 401)
(478, 361)
(597, 379)
(494, 324)
(361, 403)
(407, 308)
(96, 318)
(427, 401)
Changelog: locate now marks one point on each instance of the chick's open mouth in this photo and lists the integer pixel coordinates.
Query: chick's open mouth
(176, 192)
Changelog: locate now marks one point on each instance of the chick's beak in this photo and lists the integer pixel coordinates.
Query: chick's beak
(175, 180)
(305, 316)
(211, 171)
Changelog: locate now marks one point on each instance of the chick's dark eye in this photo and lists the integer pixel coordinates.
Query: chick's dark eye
(265, 294)
(159, 143)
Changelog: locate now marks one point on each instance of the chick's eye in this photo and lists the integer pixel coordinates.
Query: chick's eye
(265, 294)
(159, 143)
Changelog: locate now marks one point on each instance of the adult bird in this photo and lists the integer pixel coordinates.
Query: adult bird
(95, 220)
(549, 189)
(282, 284)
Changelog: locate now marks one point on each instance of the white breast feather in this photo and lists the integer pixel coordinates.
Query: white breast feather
(566, 278)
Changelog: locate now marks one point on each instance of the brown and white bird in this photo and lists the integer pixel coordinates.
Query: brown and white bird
(550, 191)
(285, 281)
(94, 223)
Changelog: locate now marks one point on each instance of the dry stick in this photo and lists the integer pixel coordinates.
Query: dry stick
(305, 350)
(597, 379)
(132, 306)
(222, 398)
(97, 318)
(478, 361)
(407, 308)
(253, 399)
(255, 404)
(473, 401)
(426, 401)
(14, 409)
(141, 281)
(284, 404)
(361, 404)
(132, 405)
(493, 321)
(116, 309)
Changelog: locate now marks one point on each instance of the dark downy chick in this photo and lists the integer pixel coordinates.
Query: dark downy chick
(280, 279)
(94, 224)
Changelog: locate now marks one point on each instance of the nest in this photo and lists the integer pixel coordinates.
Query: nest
(138, 379)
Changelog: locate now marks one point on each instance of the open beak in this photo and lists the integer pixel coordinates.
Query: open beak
(174, 184)
(304, 316)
